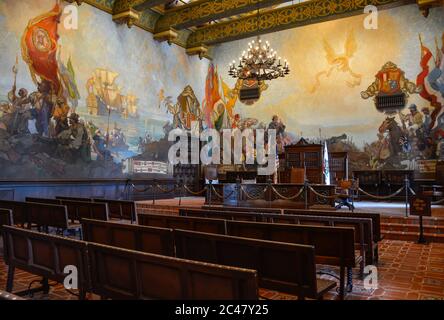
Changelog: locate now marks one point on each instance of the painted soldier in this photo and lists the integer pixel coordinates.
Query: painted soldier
(20, 111)
(42, 101)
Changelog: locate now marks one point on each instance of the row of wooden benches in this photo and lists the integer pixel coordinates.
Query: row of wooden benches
(116, 273)
(257, 214)
(58, 213)
(334, 246)
(222, 227)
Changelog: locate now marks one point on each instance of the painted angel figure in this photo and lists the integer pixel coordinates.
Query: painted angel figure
(340, 62)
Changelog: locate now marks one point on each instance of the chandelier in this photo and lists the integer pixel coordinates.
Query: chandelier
(260, 62)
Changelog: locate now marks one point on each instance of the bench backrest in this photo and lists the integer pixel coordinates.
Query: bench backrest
(132, 237)
(376, 217)
(363, 226)
(243, 209)
(74, 199)
(45, 255)
(6, 296)
(283, 267)
(225, 215)
(78, 210)
(120, 209)
(42, 200)
(6, 217)
(124, 274)
(334, 246)
(18, 208)
(184, 223)
(47, 215)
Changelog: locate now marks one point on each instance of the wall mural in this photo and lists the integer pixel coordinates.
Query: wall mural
(88, 103)
(99, 101)
(338, 70)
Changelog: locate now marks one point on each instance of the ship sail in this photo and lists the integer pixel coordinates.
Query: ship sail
(104, 95)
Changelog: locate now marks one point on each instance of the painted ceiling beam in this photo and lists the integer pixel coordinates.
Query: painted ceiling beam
(129, 11)
(305, 13)
(203, 11)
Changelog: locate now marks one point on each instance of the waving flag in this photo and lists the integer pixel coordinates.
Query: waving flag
(212, 94)
(326, 165)
(39, 47)
(428, 92)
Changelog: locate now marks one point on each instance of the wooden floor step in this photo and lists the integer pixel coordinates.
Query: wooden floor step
(429, 221)
(412, 236)
(411, 228)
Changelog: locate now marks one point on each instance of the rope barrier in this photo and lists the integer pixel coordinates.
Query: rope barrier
(195, 193)
(320, 194)
(165, 190)
(221, 196)
(412, 191)
(438, 202)
(139, 190)
(289, 198)
(382, 197)
(254, 198)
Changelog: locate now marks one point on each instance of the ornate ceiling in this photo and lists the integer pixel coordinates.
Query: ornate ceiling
(197, 24)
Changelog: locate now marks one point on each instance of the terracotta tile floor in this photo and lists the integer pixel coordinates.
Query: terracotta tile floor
(406, 271)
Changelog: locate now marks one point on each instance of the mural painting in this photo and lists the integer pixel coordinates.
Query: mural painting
(328, 98)
(87, 103)
(71, 109)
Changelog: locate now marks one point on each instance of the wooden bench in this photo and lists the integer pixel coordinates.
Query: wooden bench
(45, 216)
(43, 200)
(283, 267)
(132, 237)
(78, 210)
(19, 210)
(376, 222)
(74, 199)
(120, 209)
(6, 296)
(334, 246)
(46, 256)
(125, 274)
(6, 217)
(184, 223)
(243, 209)
(225, 215)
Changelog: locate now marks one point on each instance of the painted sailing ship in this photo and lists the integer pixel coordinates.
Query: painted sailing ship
(105, 96)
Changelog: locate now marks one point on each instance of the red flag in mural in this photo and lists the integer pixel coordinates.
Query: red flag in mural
(428, 93)
(212, 94)
(39, 47)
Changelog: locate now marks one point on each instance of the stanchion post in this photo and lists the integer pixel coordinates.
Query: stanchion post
(210, 190)
(238, 191)
(407, 187)
(180, 186)
(306, 193)
(153, 194)
(270, 193)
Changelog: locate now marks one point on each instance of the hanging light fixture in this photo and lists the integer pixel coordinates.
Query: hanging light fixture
(259, 62)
